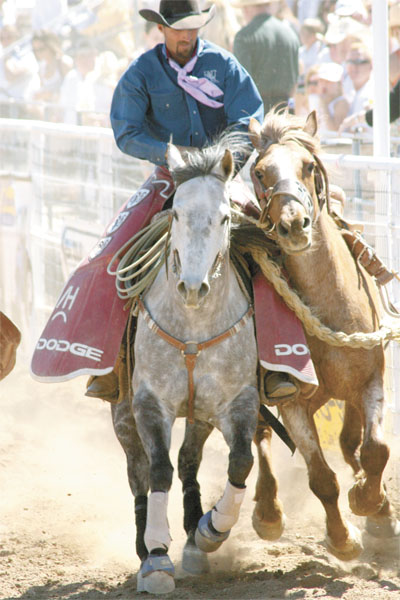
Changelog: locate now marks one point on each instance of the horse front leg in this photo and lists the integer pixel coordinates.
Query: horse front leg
(238, 427)
(194, 560)
(368, 495)
(137, 467)
(343, 539)
(156, 575)
(268, 517)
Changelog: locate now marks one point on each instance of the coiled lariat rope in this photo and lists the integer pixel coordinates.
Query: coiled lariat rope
(142, 258)
(145, 253)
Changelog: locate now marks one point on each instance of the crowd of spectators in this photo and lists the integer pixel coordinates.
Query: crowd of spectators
(60, 60)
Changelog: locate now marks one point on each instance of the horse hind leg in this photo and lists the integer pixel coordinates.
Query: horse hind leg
(268, 517)
(368, 496)
(343, 539)
(351, 436)
(194, 560)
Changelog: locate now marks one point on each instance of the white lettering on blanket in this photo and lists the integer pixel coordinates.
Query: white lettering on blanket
(285, 349)
(75, 348)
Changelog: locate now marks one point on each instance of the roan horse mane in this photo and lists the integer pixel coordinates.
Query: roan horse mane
(200, 163)
(281, 127)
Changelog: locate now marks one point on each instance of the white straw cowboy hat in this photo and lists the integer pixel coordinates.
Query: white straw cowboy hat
(179, 14)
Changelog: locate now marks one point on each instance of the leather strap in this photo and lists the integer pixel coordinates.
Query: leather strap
(366, 256)
(190, 350)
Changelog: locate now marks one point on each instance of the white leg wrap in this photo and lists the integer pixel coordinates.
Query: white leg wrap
(226, 511)
(156, 534)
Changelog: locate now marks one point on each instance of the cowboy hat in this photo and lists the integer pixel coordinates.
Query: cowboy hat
(179, 14)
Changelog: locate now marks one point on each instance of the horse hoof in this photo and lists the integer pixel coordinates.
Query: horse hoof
(194, 560)
(357, 507)
(352, 547)
(156, 575)
(207, 538)
(383, 527)
(270, 531)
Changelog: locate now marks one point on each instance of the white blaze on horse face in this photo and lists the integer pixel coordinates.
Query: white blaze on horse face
(199, 235)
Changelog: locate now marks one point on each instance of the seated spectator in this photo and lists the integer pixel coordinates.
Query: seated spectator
(364, 118)
(341, 33)
(307, 99)
(333, 106)
(53, 66)
(151, 37)
(311, 44)
(77, 93)
(105, 78)
(359, 68)
(221, 30)
(19, 79)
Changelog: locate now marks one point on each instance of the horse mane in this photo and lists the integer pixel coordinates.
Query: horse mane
(280, 127)
(204, 161)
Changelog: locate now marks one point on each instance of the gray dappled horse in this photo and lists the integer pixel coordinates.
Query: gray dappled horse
(195, 357)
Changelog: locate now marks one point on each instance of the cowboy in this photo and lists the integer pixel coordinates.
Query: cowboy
(188, 90)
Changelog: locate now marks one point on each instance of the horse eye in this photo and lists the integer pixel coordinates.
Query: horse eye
(175, 215)
(258, 174)
(310, 167)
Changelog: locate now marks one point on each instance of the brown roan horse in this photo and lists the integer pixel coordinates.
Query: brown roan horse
(287, 179)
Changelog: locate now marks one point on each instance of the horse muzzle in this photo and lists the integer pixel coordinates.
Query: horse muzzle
(294, 228)
(192, 293)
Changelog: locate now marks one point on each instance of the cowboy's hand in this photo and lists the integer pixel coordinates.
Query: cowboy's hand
(185, 150)
(349, 123)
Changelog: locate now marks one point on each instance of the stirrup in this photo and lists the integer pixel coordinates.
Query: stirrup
(278, 388)
(207, 538)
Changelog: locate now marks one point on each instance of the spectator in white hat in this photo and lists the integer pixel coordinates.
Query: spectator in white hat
(333, 106)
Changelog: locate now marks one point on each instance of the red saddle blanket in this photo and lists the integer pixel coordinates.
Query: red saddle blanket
(84, 332)
(282, 345)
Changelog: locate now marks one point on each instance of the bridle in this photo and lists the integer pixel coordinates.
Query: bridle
(293, 188)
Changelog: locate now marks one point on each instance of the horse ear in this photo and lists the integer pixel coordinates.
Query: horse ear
(311, 125)
(255, 133)
(227, 164)
(174, 157)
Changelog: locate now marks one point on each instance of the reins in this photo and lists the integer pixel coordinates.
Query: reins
(190, 350)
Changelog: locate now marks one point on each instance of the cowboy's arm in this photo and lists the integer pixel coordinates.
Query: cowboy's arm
(129, 106)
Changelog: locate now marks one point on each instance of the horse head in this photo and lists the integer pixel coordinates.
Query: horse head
(200, 219)
(287, 178)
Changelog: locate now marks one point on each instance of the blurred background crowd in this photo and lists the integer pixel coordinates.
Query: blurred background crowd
(60, 60)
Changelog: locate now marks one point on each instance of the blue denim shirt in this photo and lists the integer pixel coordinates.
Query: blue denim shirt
(149, 107)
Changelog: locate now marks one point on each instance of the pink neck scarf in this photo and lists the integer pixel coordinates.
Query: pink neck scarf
(198, 87)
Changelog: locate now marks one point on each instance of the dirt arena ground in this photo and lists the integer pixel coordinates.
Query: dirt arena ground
(67, 529)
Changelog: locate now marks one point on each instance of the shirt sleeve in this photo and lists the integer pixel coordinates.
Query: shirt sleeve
(128, 114)
(394, 106)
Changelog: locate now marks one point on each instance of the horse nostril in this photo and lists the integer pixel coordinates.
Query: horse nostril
(204, 289)
(282, 230)
(181, 287)
(306, 223)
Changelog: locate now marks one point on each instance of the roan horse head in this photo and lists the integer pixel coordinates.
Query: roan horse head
(200, 219)
(287, 177)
